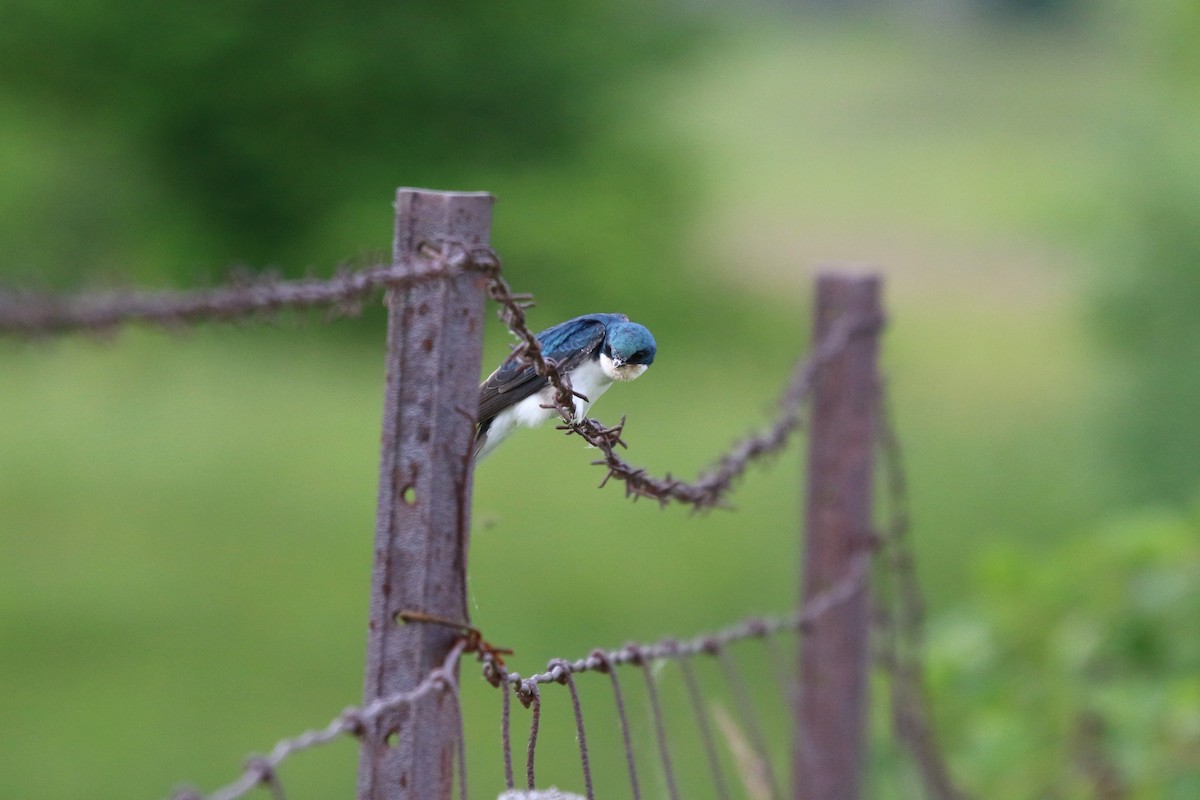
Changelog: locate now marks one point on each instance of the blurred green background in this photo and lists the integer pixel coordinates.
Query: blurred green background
(185, 521)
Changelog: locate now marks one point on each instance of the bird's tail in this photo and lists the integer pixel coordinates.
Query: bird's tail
(481, 440)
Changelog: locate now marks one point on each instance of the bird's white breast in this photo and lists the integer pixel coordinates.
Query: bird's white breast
(589, 379)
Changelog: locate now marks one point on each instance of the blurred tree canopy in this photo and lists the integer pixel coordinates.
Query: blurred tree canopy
(259, 131)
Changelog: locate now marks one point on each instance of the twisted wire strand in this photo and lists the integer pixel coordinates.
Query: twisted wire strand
(799, 620)
(715, 481)
(535, 700)
(27, 313)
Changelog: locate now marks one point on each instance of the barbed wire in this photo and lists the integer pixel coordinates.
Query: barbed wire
(263, 770)
(800, 620)
(27, 313)
(715, 481)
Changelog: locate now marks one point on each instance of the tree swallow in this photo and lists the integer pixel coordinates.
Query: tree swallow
(593, 350)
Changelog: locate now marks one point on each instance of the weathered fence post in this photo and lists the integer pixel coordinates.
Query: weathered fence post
(831, 716)
(434, 341)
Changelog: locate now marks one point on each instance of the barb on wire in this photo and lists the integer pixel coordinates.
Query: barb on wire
(263, 770)
(713, 484)
(27, 313)
(900, 622)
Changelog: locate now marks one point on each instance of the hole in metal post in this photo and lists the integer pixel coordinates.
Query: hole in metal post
(392, 739)
(409, 495)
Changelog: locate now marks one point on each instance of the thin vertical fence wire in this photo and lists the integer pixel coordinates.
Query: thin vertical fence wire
(781, 669)
(884, 634)
(535, 706)
(579, 727)
(452, 688)
(505, 724)
(660, 732)
(741, 694)
(706, 737)
(904, 629)
(630, 761)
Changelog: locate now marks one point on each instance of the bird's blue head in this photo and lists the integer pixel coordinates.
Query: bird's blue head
(628, 349)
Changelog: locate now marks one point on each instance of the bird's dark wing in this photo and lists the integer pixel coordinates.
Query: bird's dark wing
(568, 343)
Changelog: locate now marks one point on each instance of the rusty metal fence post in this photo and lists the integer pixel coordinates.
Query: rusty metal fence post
(434, 349)
(831, 714)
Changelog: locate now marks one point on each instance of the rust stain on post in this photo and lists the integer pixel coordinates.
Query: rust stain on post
(831, 716)
(434, 349)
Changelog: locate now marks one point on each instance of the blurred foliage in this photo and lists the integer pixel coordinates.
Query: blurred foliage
(266, 132)
(1081, 654)
(1148, 312)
